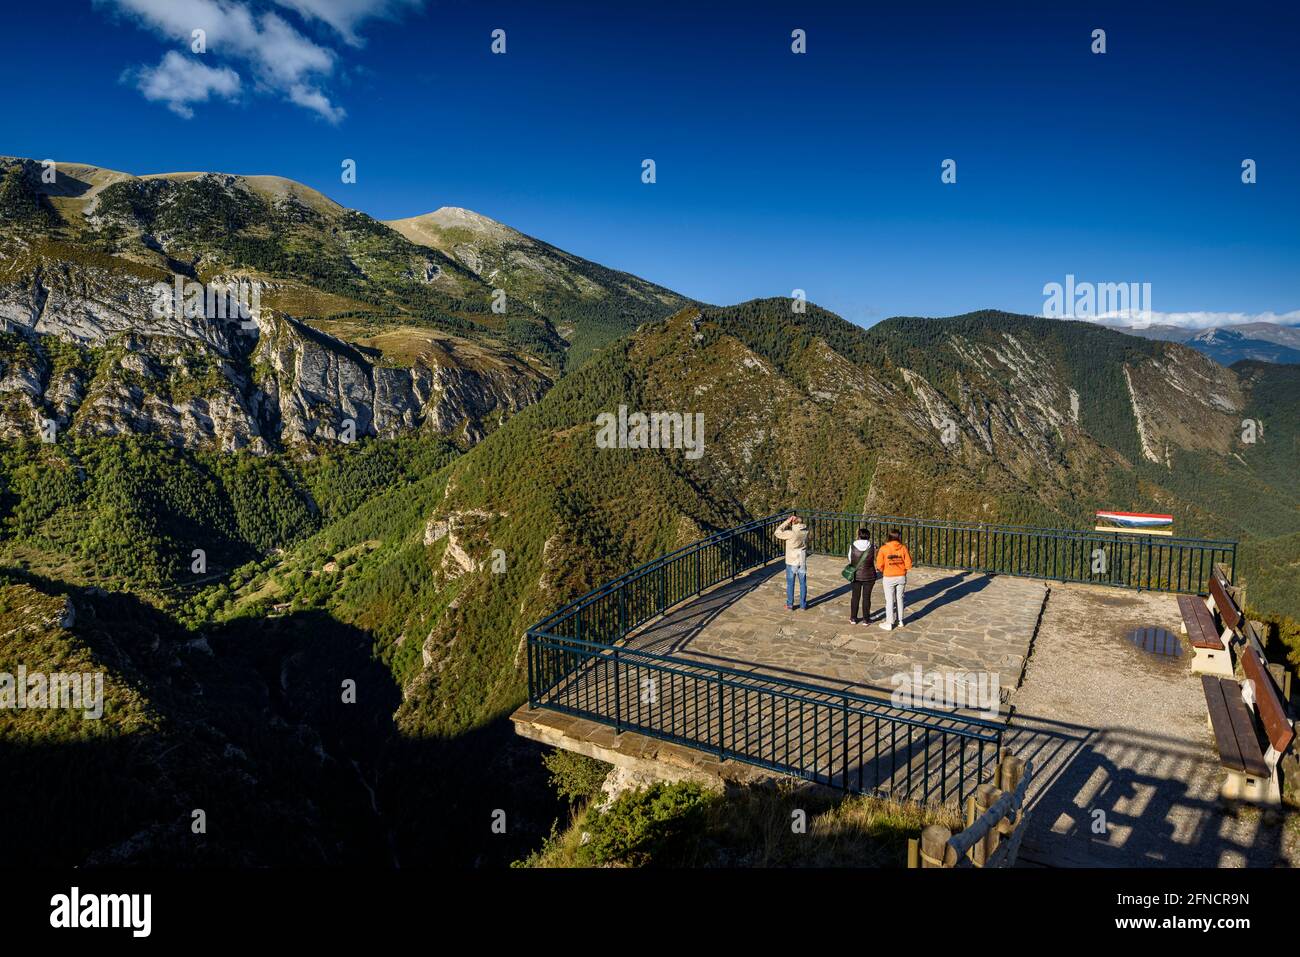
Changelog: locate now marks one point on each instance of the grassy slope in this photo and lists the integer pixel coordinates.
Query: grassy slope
(681, 825)
(591, 303)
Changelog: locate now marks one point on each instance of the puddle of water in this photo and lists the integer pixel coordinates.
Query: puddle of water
(1156, 641)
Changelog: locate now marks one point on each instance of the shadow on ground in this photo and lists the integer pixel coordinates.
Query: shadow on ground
(1120, 798)
(280, 731)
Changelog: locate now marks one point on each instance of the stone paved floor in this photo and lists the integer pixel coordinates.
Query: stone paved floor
(955, 621)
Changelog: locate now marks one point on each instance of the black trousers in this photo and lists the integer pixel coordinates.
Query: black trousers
(861, 597)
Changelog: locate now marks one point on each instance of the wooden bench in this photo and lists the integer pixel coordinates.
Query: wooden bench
(1238, 713)
(1210, 651)
(1222, 602)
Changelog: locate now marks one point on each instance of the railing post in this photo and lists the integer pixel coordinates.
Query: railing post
(1001, 756)
(618, 696)
(1114, 555)
(845, 702)
(721, 713)
(1010, 770)
(986, 795)
(532, 684)
(934, 846)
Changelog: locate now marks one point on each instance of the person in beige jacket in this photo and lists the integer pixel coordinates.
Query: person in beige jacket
(795, 535)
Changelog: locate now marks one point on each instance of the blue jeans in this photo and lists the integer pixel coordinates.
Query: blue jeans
(790, 574)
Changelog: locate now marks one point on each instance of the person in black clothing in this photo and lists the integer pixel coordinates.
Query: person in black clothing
(862, 553)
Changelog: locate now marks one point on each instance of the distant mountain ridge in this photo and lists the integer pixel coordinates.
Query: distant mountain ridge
(549, 280)
(1260, 341)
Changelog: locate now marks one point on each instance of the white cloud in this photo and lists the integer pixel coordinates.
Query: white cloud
(346, 15)
(179, 81)
(315, 100)
(1204, 320)
(281, 59)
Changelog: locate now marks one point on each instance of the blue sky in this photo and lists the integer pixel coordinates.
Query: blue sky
(775, 171)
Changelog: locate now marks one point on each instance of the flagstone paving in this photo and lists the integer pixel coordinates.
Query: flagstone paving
(972, 626)
(955, 621)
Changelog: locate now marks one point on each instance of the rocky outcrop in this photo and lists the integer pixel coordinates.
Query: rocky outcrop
(85, 350)
(91, 303)
(1184, 400)
(319, 384)
(460, 528)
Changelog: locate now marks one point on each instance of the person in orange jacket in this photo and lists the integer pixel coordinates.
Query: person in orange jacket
(893, 561)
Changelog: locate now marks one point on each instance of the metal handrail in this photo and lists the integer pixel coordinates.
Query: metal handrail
(1148, 562)
(1001, 527)
(744, 679)
(642, 570)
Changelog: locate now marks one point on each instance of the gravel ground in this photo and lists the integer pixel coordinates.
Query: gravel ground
(1121, 745)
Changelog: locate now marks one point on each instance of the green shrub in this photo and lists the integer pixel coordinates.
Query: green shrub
(645, 825)
(1281, 638)
(575, 777)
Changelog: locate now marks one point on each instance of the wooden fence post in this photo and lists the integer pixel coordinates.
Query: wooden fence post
(995, 824)
(934, 845)
(1010, 771)
(986, 795)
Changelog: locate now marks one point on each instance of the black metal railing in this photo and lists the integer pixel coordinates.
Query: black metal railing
(576, 664)
(606, 614)
(837, 738)
(1121, 559)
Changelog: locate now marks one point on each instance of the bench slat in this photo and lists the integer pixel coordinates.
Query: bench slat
(1224, 738)
(1243, 726)
(1201, 630)
(1227, 608)
(1272, 711)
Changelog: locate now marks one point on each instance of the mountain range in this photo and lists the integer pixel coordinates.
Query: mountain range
(357, 321)
(1261, 341)
(204, 528)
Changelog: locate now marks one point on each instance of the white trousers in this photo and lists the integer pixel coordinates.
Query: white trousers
(894, 598)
